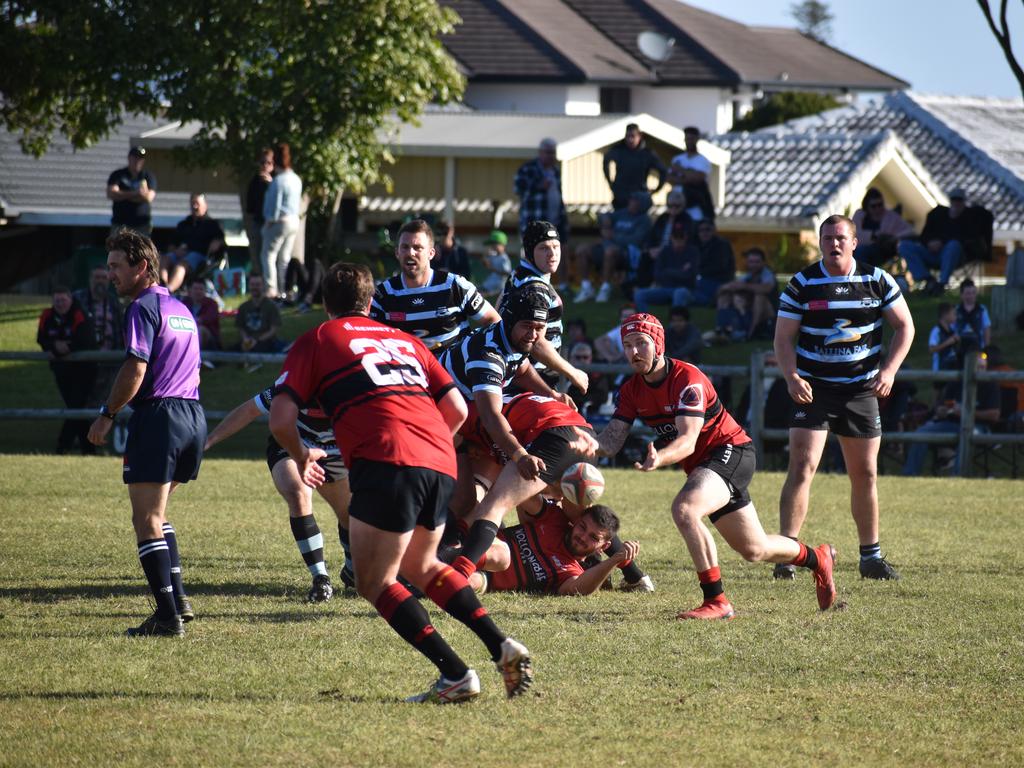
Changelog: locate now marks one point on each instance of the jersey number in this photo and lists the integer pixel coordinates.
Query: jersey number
(389, 362)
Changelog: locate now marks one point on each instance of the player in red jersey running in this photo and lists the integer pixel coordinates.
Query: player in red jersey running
(681, 405)
(394, 410)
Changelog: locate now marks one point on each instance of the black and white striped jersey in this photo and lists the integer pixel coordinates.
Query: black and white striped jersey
(841, 323)
(482, 361)
(314, 427)
(437, 313)
(525, 274)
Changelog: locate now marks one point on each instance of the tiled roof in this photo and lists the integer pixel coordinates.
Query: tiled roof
(574, 41)
(977, 144)
(65, 186)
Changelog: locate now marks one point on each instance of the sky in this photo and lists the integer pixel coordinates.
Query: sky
(938, 46)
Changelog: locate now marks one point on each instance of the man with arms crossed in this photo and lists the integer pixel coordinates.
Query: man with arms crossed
(679, 403)
(160, 378)
(394, 410)
(828, 342)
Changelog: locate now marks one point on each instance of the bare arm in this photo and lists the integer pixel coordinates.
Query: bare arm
(453, 409)
(688, 428)
(283, 413)
(126, 386)
(488, 406)
(786, 332)
(488, 315)
(591, 579)
(238, 419)
(612, 438)
(898, 315)
(545, 352)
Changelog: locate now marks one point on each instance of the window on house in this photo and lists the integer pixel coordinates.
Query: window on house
(616, 100)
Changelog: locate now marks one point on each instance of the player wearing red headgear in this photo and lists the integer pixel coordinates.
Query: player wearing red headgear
(695, 429)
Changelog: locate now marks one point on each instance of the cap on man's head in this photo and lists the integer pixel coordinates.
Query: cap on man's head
(137, 152)
(531, 303)
(537, 232)
(957, 193)
(497, 237)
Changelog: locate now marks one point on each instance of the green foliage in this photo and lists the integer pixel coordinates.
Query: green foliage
(924, 672)
(787, 105)
(814, 19)
(326, 77)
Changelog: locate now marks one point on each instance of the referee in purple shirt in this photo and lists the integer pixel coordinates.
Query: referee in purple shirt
(167, 429)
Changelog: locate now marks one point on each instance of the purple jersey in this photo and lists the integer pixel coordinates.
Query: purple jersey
(161, 330)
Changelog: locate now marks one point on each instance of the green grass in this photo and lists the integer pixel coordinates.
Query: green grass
(928, 671)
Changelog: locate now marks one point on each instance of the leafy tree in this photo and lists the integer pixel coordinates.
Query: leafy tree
(814, 19)
(787, 105)
(325, 76)
(1002, 34)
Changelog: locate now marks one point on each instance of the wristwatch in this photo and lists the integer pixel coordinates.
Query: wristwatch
(104, 411)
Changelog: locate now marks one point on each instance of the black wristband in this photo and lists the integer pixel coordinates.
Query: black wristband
(106, 412)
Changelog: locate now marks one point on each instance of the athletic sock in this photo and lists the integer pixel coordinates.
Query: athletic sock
(479, 539)
(711, 583)
(156, 564)
(452, 535)
(631, 572)
(346, 547)
(172, 549)
(410, 620)
(807, 558)
(452, 593)
(311, 543)
(869, 552)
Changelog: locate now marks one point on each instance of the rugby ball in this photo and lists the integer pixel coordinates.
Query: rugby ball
(582, 484)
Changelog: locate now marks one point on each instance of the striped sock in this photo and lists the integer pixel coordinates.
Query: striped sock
(409, 619)
(172, 549)
(869, 552)
(310, 542)
(452, 593)
(156, 564)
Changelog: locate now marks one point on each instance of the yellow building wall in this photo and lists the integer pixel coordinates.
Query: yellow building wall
(485, 178)
(413, 177)
(171, 177)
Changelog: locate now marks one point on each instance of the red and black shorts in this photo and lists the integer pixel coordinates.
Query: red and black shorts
(396, 498)
(735, 464)
(850, 414)
(552, 446)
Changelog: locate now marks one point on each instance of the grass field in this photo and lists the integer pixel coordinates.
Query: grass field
(928, 671)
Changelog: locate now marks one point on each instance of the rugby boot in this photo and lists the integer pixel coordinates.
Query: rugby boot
(643, 584)
(824, 584)
(515, 667)
(719, 608)
(880, 569)
(184, 606)
(348, 578)
(784, 572)
(321, 591)
(156, 627)
(446, 691)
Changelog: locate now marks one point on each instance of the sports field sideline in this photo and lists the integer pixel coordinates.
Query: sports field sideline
(926, 671)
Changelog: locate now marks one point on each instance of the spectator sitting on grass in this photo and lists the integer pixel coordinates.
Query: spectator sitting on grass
(762, 290)
(682, 338)
(620, 250)
(207, 315)
(259, 321)
(717, 264)
(732, 319)
(675, 272)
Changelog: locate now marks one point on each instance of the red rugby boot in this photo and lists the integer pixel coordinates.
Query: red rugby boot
(719, 608)
(824, 584)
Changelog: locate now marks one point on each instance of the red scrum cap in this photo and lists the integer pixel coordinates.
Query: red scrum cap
(645, 323)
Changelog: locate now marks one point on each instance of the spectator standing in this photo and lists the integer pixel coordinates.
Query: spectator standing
(717, 264)
(255, 194)
(634, 162)
(258, 322)
(973, 324)
(107, 316)
(132, 189)
(197, 238)
(65, 328)
(690, 172)
(761, 288)
(538, 185)
(207, 316)
(675, 272)
(281, 207)
(498, 263)
(943, 342)
(450, 255)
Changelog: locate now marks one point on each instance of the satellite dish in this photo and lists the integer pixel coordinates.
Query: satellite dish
(655, 46)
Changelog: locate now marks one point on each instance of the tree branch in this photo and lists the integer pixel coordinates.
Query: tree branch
(1002, 35)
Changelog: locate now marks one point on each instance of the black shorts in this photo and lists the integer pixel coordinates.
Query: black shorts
(395, 498)
(850, 414)
(552, 445)
(333, 464)
(735, 464)
(165, 441)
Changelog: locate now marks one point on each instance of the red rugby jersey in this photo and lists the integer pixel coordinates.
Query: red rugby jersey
(540, 559)
(378, 386)
(528, 414)
(686, 391)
